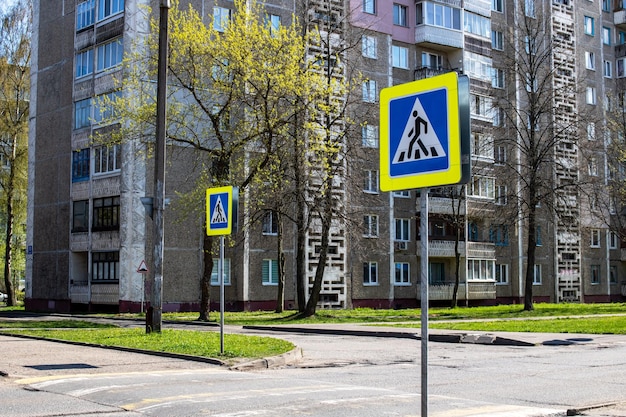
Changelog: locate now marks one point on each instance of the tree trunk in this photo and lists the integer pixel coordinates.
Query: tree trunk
(8, 239)
(530, 260)
(205, 282)
(300, 229)
(280, 297)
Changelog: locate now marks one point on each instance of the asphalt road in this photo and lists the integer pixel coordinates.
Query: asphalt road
(346, 371)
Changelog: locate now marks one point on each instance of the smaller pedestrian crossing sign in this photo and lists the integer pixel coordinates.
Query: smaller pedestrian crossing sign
(420, 134)
(219, 211)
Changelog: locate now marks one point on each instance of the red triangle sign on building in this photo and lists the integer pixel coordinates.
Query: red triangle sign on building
(143, 268)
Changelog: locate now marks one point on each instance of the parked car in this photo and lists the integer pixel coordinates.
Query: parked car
(3, 297)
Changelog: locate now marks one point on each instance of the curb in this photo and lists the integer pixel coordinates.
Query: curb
(479, 338)
(579, 410)
(289, 358)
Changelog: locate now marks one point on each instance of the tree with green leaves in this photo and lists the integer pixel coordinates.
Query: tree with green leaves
(14, 99)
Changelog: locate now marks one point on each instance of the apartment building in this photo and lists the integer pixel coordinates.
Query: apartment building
(88, 231)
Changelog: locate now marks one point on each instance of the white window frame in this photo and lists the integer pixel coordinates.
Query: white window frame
(594, 236)
(215, 274)
(402, 194)
(428, 59)
(370, 181)
(107, 159)
(497, 78)
(402, 274)
(481, 270)
(400, 15)
(537, 274)
(402, 230)
(482, 187)
(85, 14)
(110, 54)
(497, 6)
(606, 35)
(502, 274)
(369, 46)
(594, 274)
(500, 156)
(370, 226)
(590, 60)
(591, 131)
(501, 195)
(370, 278)
(221, 18)
(369, 136)
(269, 224)
(497, 40)
(607, 69)
(369, 91)
(613, 240)
(591, 96)
(369, 6)
(400, 57)
(108, 8)
(84, 63)
(269, 272)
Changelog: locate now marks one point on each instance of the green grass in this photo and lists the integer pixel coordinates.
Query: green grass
(206, 344)
(51, 324)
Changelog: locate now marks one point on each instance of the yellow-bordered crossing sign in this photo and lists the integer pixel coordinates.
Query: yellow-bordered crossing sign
(219, 211)
(420, 133)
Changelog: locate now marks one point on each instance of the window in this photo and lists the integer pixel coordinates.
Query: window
(472, 232)
(480, 106)
(370, 181)
(80, 165)
(369, 135)
(105, 266)
(370, 273)
(400, 57)
(370, 225)
(595, 274)
(369, 46)
(85, 14)
(590, 60)
(84, 63)
(606, 5)
(369, 91)
(608, 69)
(529, 8)
(501, 195)
(478, 66)
(482, 187)
(595, 238)
(482, 146)
(538, 241)
(82, 113)
(432, 61)
(369, 6)
(403, 276)
(591, 131)
(589, 25)
(497, 78)
(606, 35)
(497, 40)
(435, 14)
(80, 216)
(399, 15)
(476, 24)
(274, 23)
(592, 164)
(215, 277)
(480, 269)
(402, 194)
(537, 274)
(403, 227)
(498, 116)
(270, 272)
(621, 37)
(436, 273)
(269, 223)
(500, 155)
(613, 240)
(591, 95)
(613, 274)
(221, 17)
(107, 159)
(620, 64)
(110, 54)
(109, 8)
(502, 274)
(106, 213)
(497, 5)
(104, 107)
(530, 45)
(499, 234)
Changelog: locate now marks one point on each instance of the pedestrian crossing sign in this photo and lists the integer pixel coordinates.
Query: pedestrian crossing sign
(219, 211)
(420, 134)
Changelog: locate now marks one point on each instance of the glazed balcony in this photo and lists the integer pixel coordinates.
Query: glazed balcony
(476, 290)
(445, 249)
(438, 38)
(619, 19)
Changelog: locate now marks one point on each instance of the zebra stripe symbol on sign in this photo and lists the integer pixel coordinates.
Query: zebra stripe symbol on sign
(219, 216)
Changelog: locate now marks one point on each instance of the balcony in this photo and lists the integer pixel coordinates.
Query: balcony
(438, 38)
(475, 291)
(619, 18)
(441, 248)
(442, 205)
(481, 250)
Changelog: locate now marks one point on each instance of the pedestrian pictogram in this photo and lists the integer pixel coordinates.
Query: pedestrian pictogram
(418, 142)
(219, 216)
(421, 126)
(219, 210)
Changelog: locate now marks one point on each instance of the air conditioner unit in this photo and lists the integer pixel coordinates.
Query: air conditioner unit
(399, 245)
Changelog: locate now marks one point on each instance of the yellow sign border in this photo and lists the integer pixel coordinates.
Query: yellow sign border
(221, 231)
(453, 174)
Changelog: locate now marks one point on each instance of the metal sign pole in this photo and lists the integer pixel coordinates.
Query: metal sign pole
(424, 296)
(220, 272)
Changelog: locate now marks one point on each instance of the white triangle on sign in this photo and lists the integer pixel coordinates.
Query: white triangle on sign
(419, 140)
(143, 268)
(219, 215)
